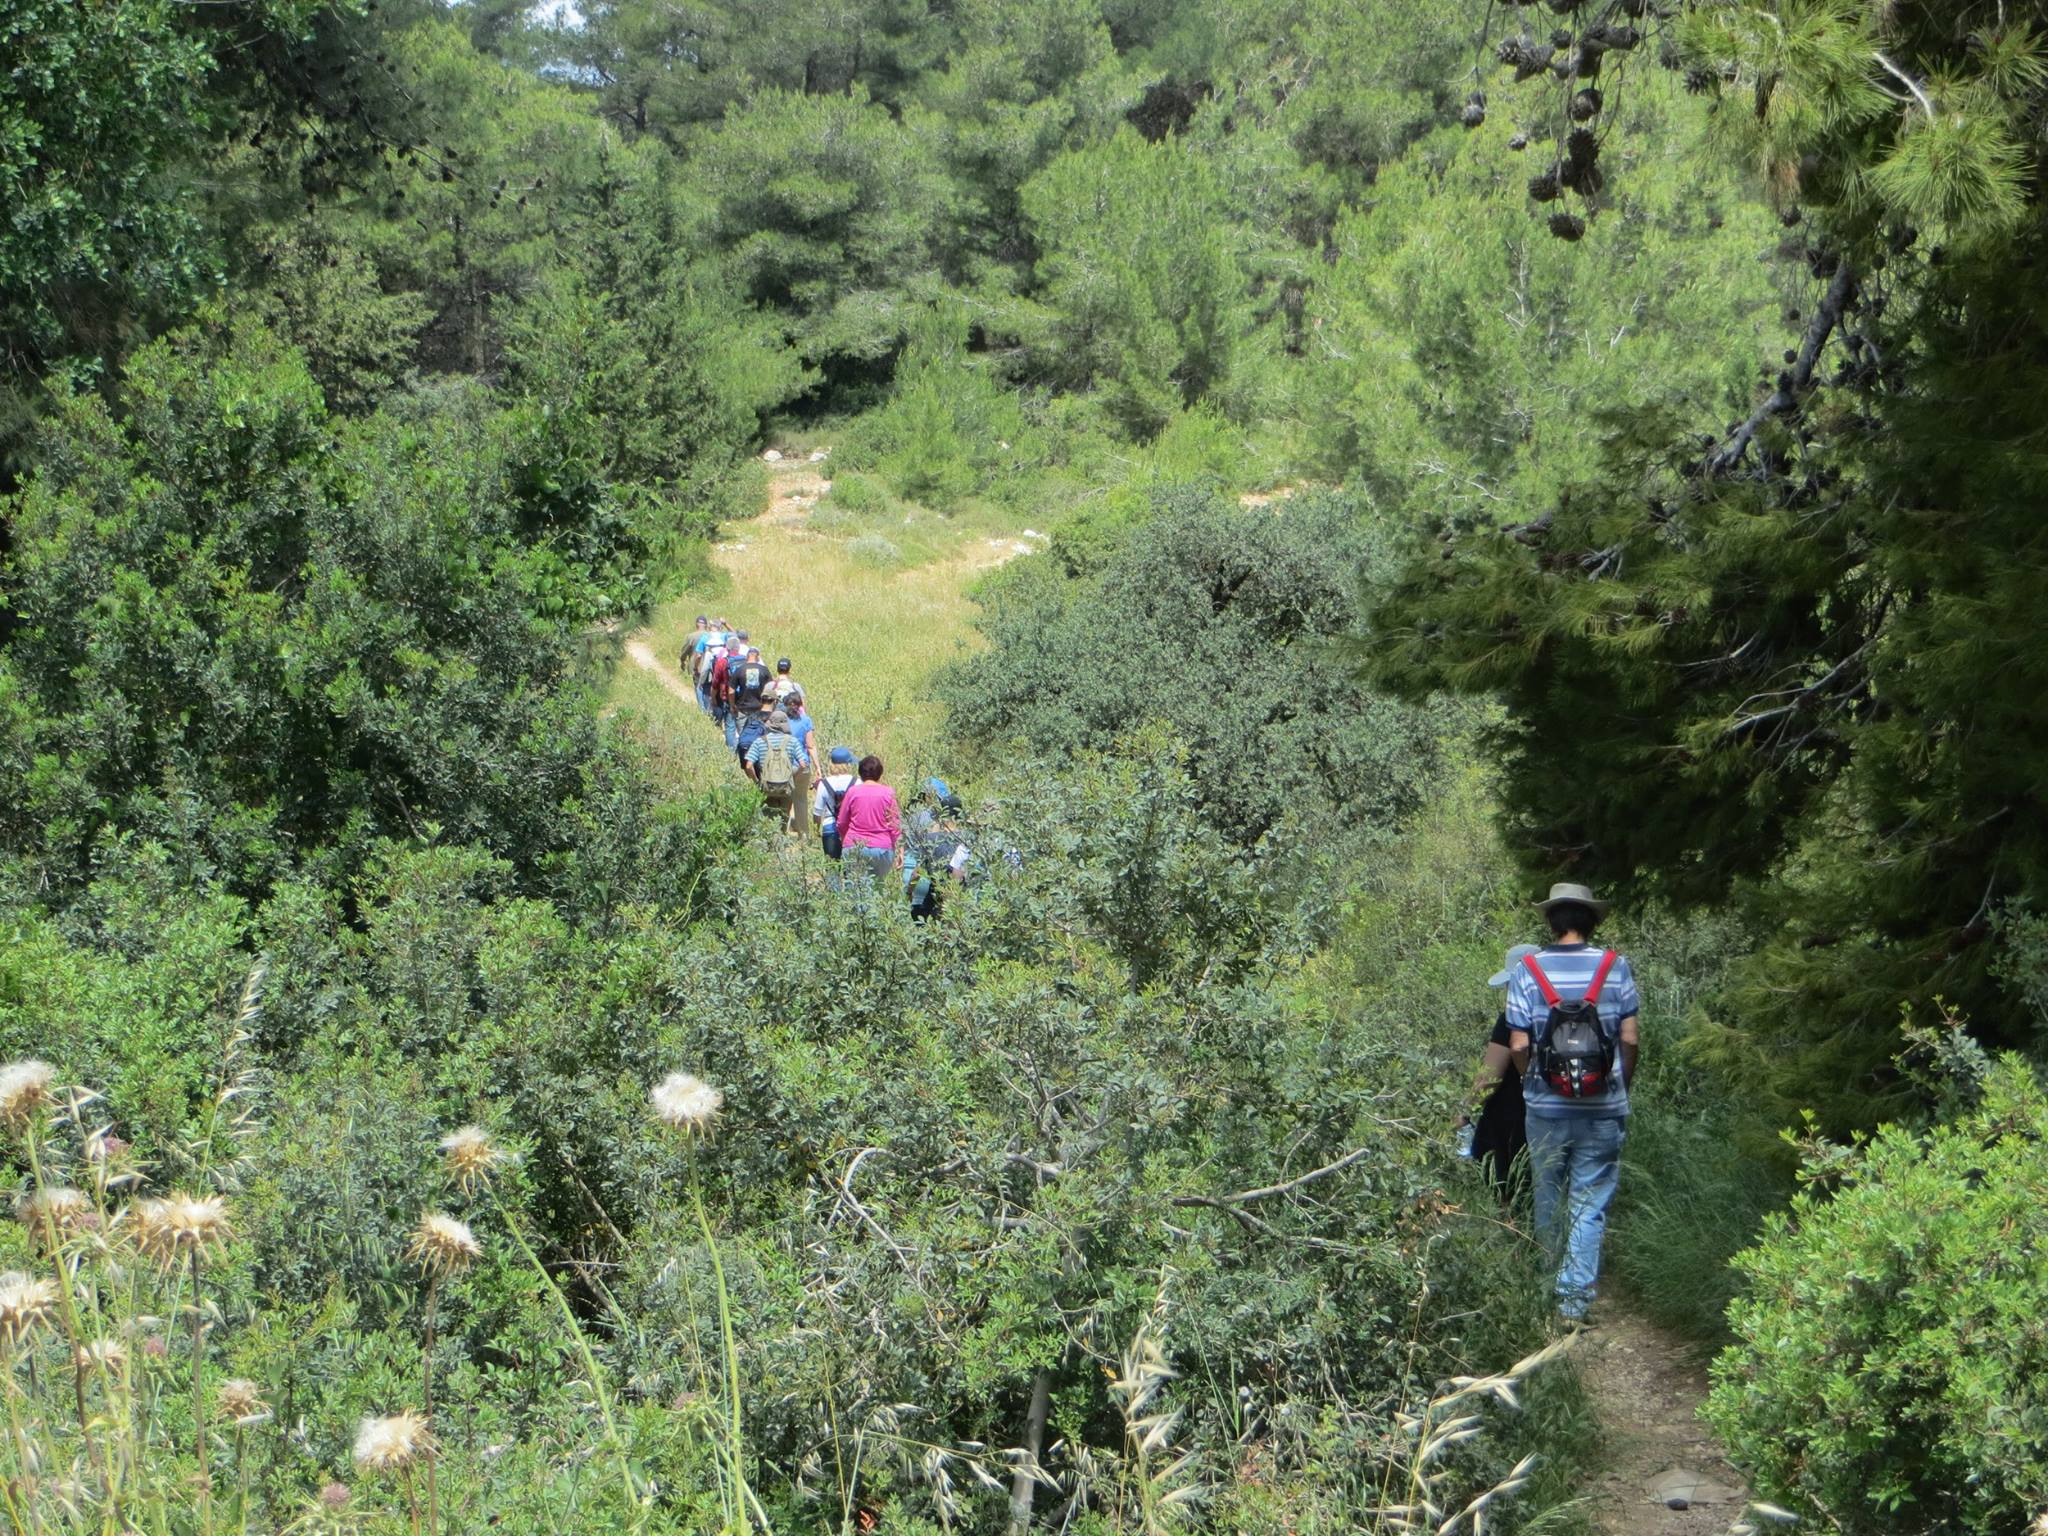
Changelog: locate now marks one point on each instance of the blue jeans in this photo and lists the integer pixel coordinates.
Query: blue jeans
(704, 697)
(1577, 1165)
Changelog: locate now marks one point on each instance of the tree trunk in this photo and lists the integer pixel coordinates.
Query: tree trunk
(1024, 1485)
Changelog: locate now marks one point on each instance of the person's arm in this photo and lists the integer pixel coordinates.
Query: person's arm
(1493, 1066)
(1518, 1051)
(1631, 1047)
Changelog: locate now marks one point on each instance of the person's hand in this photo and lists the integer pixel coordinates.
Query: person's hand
(1461, 1122)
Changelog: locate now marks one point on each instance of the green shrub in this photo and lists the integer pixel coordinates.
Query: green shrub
(874, 551)
(1891, 1365)
(858, 493)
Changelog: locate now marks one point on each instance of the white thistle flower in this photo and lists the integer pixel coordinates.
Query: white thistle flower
(471, 1157)
(686, 1102)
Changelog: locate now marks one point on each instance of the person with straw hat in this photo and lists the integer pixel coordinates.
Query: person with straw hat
(1573, 1035)
(1497, 1139)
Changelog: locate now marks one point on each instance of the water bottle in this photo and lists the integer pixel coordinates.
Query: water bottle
(1465, 1134)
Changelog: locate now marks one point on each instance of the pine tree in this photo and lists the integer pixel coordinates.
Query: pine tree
(1796, 661)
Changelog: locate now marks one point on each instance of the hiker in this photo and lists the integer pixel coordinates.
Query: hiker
(721, 689)
(870, 826)
(703, 647)
(832, 787)
(750, 730)
(771, 762)
(1573, 1034)
(801, 725)
(749, 681)
(1499, 1136)
(782, 684)
(935, 854)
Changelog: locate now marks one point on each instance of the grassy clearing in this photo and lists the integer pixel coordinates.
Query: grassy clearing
(868, 600)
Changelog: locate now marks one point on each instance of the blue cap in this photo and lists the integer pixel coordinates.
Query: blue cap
(842, 754)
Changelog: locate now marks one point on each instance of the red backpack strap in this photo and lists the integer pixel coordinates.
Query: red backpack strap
(1542, 981)
(1600, 976)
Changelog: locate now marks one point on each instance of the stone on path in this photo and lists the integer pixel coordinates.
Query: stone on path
(772, 456)
(1678, 1488)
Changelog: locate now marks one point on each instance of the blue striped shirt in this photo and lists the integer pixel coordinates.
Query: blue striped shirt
(1570, 968)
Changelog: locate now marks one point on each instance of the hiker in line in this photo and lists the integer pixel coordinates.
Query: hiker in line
(771, 762)
(935, 852)
(749, 681)
(782, 684)
(870, 825)
(696, 659)
(751, 729)
(1497, 1140)
(721, 689)
(832, 787)
(1573, 1033)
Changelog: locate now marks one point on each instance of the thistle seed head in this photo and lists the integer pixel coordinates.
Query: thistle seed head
(25, 1306)
(176, 1226)
(103, 1354)
(334, 1496)
(393, 1444)
(471, 1157)
(687, 1103)
(24, 1092)
(241, 1402)
(56, 1214)
(443, 1246)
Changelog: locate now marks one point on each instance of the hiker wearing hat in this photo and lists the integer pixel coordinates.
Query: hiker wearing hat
(1572, 1032)
(1497, 1139)
(771, 762)
(832, 788)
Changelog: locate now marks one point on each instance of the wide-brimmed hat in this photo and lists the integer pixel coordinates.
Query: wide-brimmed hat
(1515, 955)
(1565, 891)
(778, 721)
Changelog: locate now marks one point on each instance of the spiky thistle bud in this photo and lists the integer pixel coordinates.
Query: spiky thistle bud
(471, 1158)
(443, 1246)
(395, 1443)
(25, 1306)
(24, 1092)
(686, 1102)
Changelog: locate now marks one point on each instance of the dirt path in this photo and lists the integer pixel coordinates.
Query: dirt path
(1647, 1390)
(641, 654)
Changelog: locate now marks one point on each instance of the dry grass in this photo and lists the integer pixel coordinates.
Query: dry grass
(865, 639)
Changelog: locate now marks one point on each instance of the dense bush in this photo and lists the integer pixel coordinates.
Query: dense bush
(1890, 1357)
(1220, 621)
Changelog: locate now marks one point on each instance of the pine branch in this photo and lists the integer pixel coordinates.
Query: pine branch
(1796, 382)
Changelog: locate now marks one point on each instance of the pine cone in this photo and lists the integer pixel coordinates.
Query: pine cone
(1473, 115)
(1601, 39)
(1544, 188)
(1585, 105)
(1561, 37)
(1519, 142)
(1567, 226)
(1581, 146)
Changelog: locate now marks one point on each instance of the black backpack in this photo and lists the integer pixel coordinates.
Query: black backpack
(1574, 1054)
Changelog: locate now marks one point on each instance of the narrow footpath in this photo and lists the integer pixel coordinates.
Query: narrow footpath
(1647, 1389)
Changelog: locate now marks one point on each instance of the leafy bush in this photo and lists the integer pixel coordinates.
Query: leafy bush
(1222, 622)
(875, 552)
(1891, 1368)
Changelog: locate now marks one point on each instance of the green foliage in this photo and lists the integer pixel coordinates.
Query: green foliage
(1888, 1364)
(1146, 287)
(1218, 621)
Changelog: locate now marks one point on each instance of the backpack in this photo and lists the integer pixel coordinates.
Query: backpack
(1574, 1054)
(775, 770)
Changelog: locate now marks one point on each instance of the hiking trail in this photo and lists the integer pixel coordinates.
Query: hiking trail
(1646, 1386)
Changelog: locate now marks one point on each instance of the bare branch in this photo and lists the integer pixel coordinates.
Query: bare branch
(1796, 381)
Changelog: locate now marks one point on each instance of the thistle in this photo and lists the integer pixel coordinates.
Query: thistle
(54, 1215)
(443, 1246)
(242, 1402)
(686, 1103)
(182, 1226)
(471, 1157)
(24, 1092)
(394, 1444)
(26, 1304)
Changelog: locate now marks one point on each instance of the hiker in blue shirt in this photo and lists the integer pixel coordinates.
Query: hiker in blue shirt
(1573, 1035)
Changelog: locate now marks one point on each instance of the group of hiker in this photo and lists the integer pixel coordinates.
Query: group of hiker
(837, 793)
(1551, 1093)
